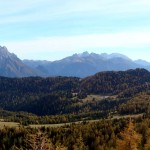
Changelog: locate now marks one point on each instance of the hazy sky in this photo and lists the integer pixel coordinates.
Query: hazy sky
(53, 29)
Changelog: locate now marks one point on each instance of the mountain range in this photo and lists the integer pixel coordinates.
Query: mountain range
(78, 65)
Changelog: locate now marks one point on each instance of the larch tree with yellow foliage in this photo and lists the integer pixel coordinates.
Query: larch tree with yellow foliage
(129, 138)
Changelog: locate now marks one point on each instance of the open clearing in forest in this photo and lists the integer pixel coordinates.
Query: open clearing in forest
(63, 124)
(8, 124)
(59, 125)
(92, 97)
(127, 116)
(15, 124)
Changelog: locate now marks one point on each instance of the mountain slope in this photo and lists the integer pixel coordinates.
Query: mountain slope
(142, 62)
(85, 64)
(12, 66)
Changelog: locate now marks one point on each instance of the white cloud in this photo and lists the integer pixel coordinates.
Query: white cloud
(45, 46)
(22, 11)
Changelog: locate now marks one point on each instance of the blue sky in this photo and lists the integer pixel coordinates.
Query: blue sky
(53, 29)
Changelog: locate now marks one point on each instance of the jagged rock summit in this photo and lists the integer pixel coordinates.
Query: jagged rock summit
(12, 66)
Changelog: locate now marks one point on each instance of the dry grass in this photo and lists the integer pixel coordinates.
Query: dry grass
(48, 125)
(53, 125)
(90, 121)
(61, 124)
(15, 124)
(90, 98)
(127, 116)
(8, 124)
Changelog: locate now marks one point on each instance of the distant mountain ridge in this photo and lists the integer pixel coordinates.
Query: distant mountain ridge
(77, 65)
(85, 64)
(142, 62)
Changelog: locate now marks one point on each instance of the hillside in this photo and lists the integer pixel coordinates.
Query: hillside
(68, 95)
(115, 82)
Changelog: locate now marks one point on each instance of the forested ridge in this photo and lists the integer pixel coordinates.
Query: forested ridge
(102, 93)
(115, 82)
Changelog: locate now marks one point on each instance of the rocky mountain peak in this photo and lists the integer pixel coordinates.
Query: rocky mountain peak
(12, 66)
(4, 53)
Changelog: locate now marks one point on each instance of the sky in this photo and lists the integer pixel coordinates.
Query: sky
(54, 29)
